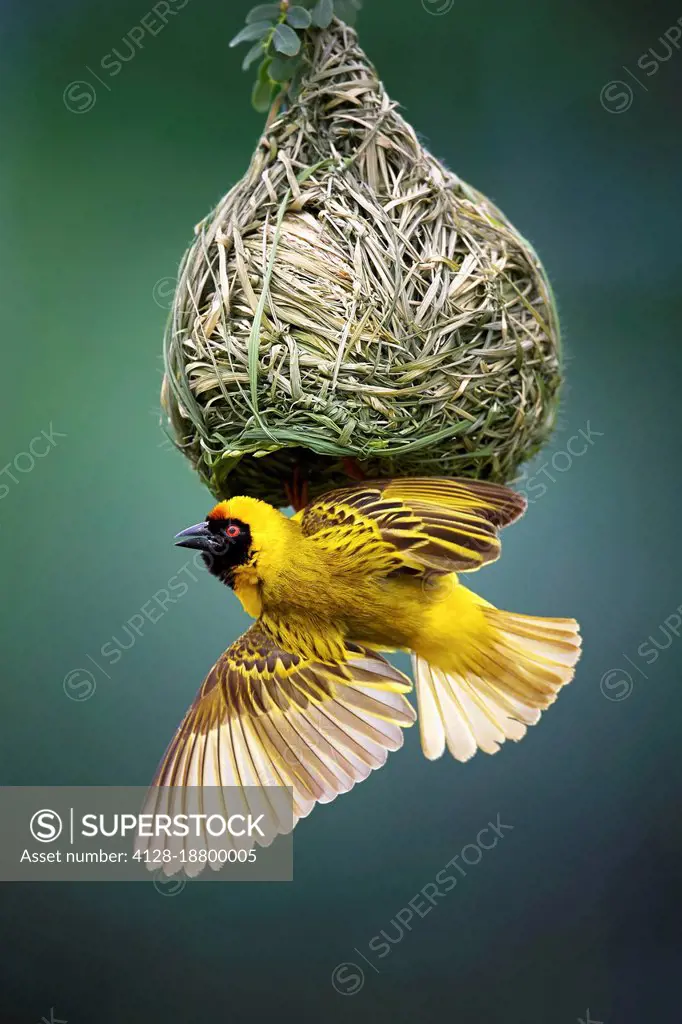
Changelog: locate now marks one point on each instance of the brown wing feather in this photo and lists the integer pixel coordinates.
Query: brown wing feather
(267, 717)
(415, 524)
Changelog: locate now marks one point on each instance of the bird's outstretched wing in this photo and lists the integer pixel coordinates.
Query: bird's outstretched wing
(435, 524)
(265, 717)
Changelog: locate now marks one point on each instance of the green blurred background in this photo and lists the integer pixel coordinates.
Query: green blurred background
(578, 907)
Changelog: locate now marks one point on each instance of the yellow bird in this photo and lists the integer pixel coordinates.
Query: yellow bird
(304, 699)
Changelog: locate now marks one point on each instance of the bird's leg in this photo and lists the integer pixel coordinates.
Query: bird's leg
(297, 489)
(353, 468)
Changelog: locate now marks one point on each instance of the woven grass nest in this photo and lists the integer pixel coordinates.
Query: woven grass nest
(351, 299)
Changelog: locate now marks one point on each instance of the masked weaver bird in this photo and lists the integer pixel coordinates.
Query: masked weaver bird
(304, 699)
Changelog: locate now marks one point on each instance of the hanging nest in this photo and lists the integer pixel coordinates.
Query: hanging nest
(350, 298)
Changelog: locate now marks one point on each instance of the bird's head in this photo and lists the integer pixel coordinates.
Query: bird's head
(224, 539)
(233, 536)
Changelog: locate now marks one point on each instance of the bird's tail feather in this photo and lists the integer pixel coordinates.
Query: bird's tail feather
(507, 674)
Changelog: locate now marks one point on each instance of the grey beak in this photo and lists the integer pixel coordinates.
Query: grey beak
(195, 537)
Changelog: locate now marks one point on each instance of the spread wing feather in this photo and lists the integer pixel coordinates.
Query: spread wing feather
(266, 717)
(439, 524)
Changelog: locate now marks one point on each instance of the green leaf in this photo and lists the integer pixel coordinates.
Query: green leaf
(258, 30)
(254, 53)
(263, 12)
(261, 94)
(263, 68)
(345, 10)
(298, 17)
(322, 13)
(285, 40)
(282, 69)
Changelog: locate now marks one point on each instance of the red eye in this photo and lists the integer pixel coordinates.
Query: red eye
(232, 531)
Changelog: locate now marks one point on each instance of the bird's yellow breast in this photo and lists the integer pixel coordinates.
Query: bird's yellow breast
(247, 589)
(313, 598)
